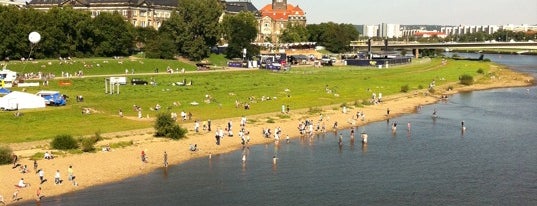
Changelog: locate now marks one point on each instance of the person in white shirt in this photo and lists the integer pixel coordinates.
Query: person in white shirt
(22, 184)
(57, 179)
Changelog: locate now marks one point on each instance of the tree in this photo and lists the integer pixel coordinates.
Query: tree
(240, 31)
(335, 37)
(113, 36)
(61, 31)
(15, 26)
(142, 35)
(194, 27)
(162, 47)
(294, 33)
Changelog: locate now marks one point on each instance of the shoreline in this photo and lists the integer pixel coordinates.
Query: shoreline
(92, 169)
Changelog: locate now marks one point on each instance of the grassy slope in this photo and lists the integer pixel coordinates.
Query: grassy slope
(307, 89)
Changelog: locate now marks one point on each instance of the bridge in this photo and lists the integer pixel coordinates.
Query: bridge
(528, 45)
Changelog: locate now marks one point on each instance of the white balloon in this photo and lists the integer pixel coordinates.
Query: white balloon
(34, 37)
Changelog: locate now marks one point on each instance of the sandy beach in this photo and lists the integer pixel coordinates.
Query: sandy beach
(101, 167)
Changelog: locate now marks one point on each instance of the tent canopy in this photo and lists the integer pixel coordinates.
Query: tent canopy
(21, 100)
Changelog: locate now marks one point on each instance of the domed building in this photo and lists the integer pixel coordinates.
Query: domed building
(275, 17)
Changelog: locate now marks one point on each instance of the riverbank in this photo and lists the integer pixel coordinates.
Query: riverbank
(105, 167)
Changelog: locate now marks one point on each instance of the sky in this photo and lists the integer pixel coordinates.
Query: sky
(432, 12)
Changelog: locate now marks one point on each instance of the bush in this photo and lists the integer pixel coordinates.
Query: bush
(177, 132)
(405, 88)
(420, 86)
(358, 103)
(467, 79)
(6, 155)
(165, 126)
(366, 102)
(64, 142)
(97, 137)
(480, 71)
(87, 144)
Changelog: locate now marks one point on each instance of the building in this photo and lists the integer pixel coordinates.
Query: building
(389, 30)
(518, 28)
(275, 17)
(463, 29)
(235, 7)
(370, 30)
(141, 13)
(382, 30)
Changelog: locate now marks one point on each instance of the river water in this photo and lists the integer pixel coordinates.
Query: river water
(494, 162)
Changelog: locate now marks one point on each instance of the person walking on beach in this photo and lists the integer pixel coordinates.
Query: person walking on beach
(42, 176)
(35, 165)
(57, 179)
(70, 173)
(143, 157)
(165, 159)
(209, 125)
(217, 136)
(39, 195)
(71, 176)
(196, 126)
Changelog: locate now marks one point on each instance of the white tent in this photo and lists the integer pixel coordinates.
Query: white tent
(21, 100)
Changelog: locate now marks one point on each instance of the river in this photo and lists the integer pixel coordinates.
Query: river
(493, 162)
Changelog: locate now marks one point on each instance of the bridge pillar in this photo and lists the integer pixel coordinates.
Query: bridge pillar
(416, 53)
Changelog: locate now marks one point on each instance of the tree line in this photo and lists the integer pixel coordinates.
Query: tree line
(191, 31)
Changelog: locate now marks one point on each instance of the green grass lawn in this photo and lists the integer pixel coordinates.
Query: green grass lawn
(298, 88)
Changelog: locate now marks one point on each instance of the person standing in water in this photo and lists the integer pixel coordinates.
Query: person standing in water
(165, 159)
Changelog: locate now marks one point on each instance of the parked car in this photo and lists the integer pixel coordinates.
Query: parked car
(136, 81)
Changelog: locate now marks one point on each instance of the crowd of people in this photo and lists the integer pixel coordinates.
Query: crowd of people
(39, 175)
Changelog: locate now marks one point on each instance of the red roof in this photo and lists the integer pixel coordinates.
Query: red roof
(281, 14)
